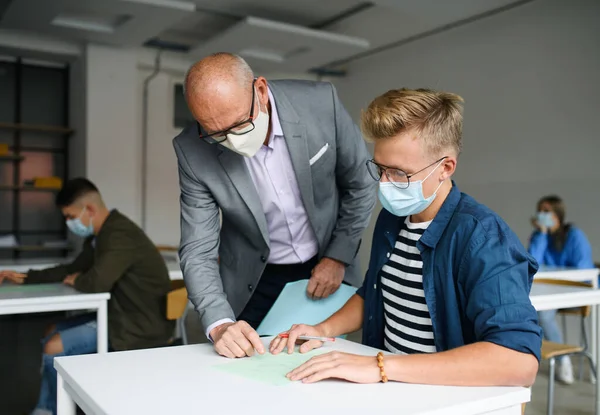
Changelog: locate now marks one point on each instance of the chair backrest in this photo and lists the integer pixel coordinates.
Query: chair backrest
(582, 311)
(177, 300)
(167, 248)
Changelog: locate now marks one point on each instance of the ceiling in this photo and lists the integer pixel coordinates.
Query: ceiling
(280, 35)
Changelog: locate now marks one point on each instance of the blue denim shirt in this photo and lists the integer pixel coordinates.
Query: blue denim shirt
(476, 277)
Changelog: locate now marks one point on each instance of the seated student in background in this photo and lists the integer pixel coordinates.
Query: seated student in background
(556, 243)
(447, 289)
(117, 257)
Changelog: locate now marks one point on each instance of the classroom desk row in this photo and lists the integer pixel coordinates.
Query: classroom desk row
(169, 380)
(180, 372)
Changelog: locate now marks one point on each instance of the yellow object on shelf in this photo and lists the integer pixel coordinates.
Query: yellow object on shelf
(3, 149)
(47, 182)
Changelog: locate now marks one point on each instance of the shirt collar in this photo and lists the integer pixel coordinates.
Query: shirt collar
(276, 130)
(434, 232)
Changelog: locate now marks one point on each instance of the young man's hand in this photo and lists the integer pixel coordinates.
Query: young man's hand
(70, 279)
(12, 276)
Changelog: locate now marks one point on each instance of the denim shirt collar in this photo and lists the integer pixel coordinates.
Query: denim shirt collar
(434, 232)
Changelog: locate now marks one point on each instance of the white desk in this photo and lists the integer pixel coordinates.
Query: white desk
(550, 297)
(179, 380)
(24, 265)
(579, 275)
(570, 274)
(40, 298)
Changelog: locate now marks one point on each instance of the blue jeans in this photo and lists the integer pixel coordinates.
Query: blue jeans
(79, 336)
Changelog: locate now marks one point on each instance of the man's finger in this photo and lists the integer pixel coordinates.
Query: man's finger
(245, 345)
(224, 351)
(275, 345)
(292, 338)
(253, 337)
(235, 349)
(310, 345)
(312, 286)
(320, 291)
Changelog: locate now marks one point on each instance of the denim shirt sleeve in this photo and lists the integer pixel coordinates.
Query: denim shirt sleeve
(496, 274)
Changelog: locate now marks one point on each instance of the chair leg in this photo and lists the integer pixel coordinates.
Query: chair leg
(590, 359)
(550, 409)
(564, 327)
(182, 329)
(584, 343)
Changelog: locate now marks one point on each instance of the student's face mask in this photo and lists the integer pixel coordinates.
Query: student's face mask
(78, 228)
(545, 219)
(248, 144)
(406, 202)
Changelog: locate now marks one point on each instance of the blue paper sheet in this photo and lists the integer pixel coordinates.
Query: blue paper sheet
(293, 306)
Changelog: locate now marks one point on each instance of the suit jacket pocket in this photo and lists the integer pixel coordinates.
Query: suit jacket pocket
(319, 154)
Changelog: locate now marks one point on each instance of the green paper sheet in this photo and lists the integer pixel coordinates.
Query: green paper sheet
(268, 368)
(33, 288)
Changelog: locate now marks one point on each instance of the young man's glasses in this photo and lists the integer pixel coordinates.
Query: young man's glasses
(397, 177)
(240, 128)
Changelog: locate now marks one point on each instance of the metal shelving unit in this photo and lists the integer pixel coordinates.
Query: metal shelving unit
(16, 157)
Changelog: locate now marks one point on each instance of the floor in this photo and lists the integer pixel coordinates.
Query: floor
(20, 362)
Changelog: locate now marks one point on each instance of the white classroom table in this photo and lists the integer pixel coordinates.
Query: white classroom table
(21, 299)
(179, 380)
(24, 265)
(550, 297)
(578, 275)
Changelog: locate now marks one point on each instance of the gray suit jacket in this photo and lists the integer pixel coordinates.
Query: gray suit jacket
(222, 265)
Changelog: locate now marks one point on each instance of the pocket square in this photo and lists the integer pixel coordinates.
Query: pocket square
(319, 154)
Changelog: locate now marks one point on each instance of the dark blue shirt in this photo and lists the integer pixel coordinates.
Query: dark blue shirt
(476, 277)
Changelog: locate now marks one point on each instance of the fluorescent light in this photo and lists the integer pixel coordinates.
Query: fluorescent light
(90, 22)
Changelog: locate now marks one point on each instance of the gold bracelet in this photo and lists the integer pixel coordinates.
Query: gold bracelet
(380, 365)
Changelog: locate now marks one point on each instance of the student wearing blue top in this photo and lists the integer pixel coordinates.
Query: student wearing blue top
(447, 289)
(557, 243)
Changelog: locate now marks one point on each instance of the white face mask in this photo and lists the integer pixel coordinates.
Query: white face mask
(247, 144)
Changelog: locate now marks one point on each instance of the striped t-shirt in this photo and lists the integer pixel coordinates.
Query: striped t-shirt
(408, 327)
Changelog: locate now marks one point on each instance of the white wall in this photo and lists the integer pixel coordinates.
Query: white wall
(529, 78)
(112, 153)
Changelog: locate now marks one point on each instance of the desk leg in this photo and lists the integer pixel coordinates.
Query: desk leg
(597, 359)
(64, 404)
(595, 336)
(102, 328)
(595, 340)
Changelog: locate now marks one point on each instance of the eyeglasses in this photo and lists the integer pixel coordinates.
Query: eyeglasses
(397, 177)
(240, 128)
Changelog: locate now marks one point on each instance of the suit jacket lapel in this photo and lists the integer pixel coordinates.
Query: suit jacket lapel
(296, 139)
(238, 173)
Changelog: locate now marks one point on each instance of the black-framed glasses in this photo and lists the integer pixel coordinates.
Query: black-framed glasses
(240, 128)
(397, 177)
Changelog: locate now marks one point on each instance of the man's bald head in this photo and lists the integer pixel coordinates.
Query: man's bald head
(211, 72)
(218, 90)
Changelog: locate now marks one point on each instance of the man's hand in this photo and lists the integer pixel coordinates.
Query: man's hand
(236, 340)
(12, 276)
(338, 365)
(278, 344)
(70, 279)
(326, 278)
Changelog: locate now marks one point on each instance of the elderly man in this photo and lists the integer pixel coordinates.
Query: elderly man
(285, 165)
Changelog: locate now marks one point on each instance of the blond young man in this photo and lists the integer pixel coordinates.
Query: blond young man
(447, 288)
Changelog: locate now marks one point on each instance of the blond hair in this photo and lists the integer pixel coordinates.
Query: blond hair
(435, 116)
